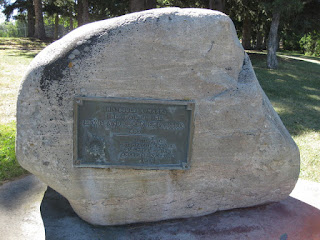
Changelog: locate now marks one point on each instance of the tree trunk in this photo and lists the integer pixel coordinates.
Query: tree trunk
(272, 62)
(56, 26)
(265, 40)
(71, 21)
(149, 4)
(137, 5)
(83, 12)
(259, 45)
(140, 5)
(217, 5)
(31, 21)
(79, 15)
(246, 32)
(39, 26)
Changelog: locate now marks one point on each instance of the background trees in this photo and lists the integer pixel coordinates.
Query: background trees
(39, 24)
(139, 5)
(260, 24)
(278, 8)
(25, 11)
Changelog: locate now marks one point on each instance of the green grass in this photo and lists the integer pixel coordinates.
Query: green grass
(294, 91)
(15, 54)
(297, 54)
(22, 43)
(9, 167)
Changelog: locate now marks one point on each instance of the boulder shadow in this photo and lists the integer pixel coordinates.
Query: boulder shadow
(288, 219)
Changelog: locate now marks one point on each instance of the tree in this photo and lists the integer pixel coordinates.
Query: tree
(217, 5)
(150, 4)
(244, 13)
(22, 6)
(59, 9)
(301, 25)
(273, 41)
(137, 5)
(183, 3)
(260, 28)
(278, 8)
(53, 10)
(30, 19)
(140, 5)
(101, 9)
(83, 12)
(246, 31)
(39, 25)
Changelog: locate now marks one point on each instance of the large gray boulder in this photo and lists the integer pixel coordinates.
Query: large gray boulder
(242, 155)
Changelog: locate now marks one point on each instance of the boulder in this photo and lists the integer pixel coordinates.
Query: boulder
(240, 152)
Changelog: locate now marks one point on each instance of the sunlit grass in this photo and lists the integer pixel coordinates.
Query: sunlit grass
(13, 66)
(309, 144)
(9, 167)
(15, 56)
(21, 43)
(297, 54)
(294, 91)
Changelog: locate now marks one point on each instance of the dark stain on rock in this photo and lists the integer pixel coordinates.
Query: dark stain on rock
(53, 72)
(58, 69)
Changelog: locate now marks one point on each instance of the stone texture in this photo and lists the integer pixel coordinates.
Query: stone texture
(20, 216)
(242, 155)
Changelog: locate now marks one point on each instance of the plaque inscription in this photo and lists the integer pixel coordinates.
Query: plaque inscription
(128, 133)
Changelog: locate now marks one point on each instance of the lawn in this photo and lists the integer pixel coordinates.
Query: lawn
(9, 167)
(294, 90)
(15, 56)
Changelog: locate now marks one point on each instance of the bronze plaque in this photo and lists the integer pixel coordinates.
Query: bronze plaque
(130, 133)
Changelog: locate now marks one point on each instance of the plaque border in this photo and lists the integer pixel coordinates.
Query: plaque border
(190, 106)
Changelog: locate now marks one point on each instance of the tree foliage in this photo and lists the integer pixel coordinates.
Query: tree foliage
(101, 9)
(310, 44)
(25, 13)
(297, 27)
(12, 29)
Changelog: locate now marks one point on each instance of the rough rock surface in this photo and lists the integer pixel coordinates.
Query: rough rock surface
(242, 155)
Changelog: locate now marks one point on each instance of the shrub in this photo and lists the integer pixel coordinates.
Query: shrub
(310, 43)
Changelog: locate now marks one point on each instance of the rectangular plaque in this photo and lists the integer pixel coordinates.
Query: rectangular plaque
(129, 133)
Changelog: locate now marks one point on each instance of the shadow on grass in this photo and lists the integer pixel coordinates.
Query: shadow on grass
(23, 44)
(27, 54)
(293, 89)
(23, 47)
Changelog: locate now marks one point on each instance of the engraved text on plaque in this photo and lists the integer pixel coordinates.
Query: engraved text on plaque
(128, 133)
